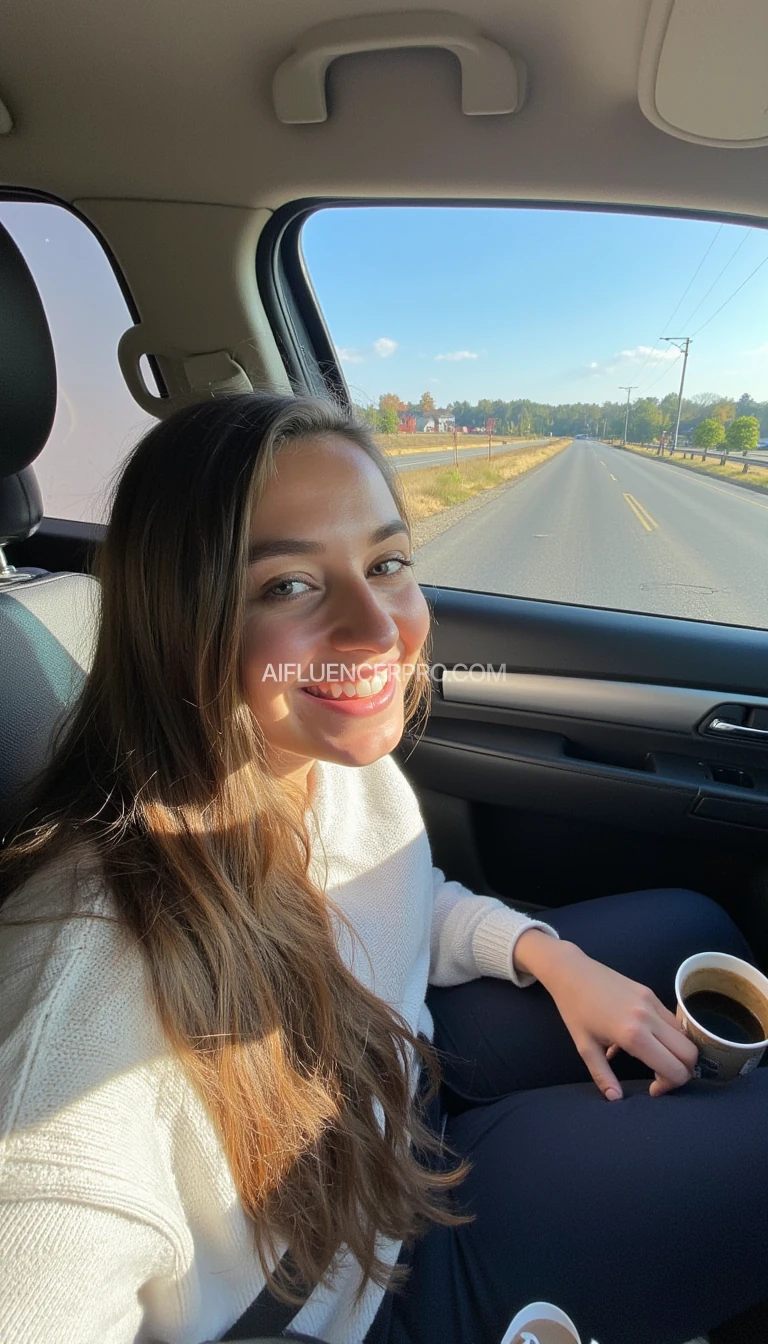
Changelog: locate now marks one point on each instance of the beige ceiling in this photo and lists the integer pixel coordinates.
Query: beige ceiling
(170, 100)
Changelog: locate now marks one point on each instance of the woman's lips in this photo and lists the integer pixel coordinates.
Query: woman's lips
(334, 696)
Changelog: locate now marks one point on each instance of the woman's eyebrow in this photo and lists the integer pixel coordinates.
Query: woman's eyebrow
(263, 550)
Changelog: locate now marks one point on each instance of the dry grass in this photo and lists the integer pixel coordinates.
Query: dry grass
(755, 478)
(430, 490)
(395, 445)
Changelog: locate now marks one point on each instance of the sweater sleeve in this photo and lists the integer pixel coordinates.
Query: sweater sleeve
(474, 936)
(70, 1271)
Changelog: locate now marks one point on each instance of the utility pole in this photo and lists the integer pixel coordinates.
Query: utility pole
(624, 388)
(682, 343)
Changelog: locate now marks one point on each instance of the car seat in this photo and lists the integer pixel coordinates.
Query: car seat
(47, 621)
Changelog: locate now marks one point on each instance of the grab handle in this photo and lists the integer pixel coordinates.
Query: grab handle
(492, 78)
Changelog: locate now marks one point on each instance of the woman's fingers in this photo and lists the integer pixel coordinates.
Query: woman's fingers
(678, 1044)
(666, 1016)
(596, 1060)
(666, 1050)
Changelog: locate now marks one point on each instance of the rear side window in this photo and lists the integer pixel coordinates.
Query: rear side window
(97, 421)
(505, 355)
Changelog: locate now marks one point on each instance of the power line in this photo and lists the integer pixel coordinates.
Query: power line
(663, 374)
(731, 296)
(668, 322)
(718, 277)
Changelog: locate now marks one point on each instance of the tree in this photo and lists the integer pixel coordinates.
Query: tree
(742, 435)
(368, 415)
(708, 434)
(426, 403)
(389, 401)
(724, 411)
(746, 406)
(388, 421)
(644, 420)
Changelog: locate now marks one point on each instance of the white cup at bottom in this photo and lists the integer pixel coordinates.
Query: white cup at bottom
(541, 1323)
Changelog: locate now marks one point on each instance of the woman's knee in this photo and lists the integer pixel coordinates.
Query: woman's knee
(698, 920)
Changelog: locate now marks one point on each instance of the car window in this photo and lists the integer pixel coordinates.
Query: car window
(503, 356)
(97, 421)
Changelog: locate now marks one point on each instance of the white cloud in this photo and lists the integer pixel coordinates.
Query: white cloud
(384, 347)
(631, 359)
(758, 350)
(458, 354)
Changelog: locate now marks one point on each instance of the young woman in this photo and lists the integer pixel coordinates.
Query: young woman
(220, 925)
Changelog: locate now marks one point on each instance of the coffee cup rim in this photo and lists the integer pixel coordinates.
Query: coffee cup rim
(722, 961)
(540, 1312)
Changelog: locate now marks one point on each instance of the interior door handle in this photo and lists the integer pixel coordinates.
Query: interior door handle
(492, 79)
(737, 730)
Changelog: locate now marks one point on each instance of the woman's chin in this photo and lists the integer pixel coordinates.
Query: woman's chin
(364, 746)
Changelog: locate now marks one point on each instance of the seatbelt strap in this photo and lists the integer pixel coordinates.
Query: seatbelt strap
(267, 1317)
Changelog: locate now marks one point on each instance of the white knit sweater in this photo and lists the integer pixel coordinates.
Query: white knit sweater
(119, 1218)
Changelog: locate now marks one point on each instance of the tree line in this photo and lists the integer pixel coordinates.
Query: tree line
(649, 417)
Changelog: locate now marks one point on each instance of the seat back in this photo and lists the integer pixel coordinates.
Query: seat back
(47, 624)
(47, 632)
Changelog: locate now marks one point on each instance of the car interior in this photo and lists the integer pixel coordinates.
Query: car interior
(192, 147)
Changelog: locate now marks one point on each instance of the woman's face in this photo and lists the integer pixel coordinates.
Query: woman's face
(334, 616)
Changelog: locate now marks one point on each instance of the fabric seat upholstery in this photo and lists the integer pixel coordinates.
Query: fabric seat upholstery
(48, 623)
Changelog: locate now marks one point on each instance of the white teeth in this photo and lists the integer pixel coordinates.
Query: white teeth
(361, 690)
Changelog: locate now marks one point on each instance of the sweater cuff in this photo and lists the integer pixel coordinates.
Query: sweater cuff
(494, 944)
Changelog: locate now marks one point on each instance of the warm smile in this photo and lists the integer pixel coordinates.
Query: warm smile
(364, 696)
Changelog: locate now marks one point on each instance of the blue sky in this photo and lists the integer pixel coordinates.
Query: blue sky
(555, 305)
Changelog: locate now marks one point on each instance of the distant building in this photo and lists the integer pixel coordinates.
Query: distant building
(433, 422)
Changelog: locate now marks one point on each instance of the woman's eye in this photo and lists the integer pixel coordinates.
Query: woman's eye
(393, 565)
(286, 588)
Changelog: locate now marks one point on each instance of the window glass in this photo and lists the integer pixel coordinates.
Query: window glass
(97, 421)
(503, 355)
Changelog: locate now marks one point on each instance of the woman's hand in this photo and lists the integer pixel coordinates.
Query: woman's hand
(603, 1009)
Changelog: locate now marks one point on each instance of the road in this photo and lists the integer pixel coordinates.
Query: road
(444, 456)
(607, 528)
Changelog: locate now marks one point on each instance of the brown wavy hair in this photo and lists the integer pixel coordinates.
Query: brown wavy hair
(161, 773)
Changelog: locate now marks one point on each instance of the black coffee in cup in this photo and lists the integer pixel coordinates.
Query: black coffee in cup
(724, 1017)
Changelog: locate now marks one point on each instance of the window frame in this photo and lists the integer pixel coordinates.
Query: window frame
(59, 541)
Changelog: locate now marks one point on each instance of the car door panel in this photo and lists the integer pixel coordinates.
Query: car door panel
(588, 768)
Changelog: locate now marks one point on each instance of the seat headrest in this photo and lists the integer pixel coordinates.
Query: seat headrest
(21, 506)
(27, 364)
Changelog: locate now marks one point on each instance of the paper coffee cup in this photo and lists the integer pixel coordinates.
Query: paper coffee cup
(721, 1060)
(541, 1323)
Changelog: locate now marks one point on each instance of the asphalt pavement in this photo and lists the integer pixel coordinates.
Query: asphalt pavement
(603, 527)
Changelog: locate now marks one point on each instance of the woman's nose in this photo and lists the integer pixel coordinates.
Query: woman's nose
(363, 623)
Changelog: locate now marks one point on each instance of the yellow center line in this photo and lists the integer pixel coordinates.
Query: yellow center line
(645, 518)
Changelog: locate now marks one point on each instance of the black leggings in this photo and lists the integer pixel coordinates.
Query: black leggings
(645, 1219)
